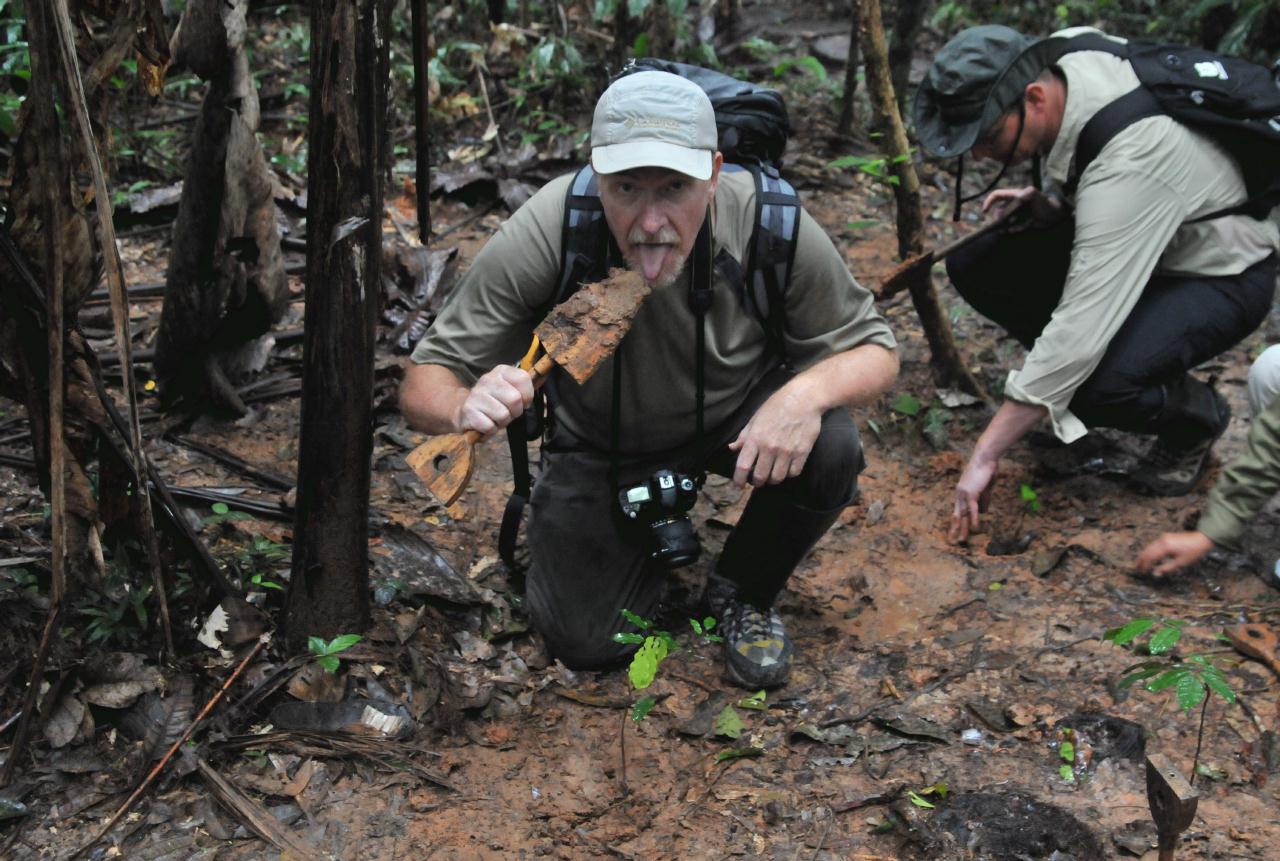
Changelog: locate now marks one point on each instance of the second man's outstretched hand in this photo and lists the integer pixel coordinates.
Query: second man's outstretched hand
(973, 492)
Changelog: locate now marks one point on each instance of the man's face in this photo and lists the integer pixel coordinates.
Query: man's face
(998, 142)
(655, 214)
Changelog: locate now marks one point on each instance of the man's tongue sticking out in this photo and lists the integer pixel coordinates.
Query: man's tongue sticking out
(651, 257)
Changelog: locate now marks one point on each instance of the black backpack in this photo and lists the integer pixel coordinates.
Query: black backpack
(752, 127)
(1231, 100)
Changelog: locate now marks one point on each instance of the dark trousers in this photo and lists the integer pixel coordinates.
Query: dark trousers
(1141, 385)
(588, 563)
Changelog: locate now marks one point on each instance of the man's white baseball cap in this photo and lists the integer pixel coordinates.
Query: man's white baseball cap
(654, 119)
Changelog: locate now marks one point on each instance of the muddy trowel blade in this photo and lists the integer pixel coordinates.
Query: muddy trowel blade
(585, 329)
(1172, 801)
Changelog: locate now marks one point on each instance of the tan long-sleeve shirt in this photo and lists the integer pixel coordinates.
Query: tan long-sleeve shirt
(1132, 206)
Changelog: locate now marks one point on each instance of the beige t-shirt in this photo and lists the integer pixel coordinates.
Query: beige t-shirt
(489, 320)
(1131, 209)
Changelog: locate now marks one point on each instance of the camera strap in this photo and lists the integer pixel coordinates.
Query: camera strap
(700, 299)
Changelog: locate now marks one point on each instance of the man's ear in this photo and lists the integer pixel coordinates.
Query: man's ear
(716, 161)
(1037, 97)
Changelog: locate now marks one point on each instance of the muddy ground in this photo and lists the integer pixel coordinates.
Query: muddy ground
(947, 672)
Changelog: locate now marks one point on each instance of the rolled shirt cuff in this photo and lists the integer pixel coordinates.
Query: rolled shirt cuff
(1066, 426)
(1222, 527)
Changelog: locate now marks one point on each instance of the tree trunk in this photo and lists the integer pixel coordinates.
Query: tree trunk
(624, 33)
(421, 114)
(329, 587)
(226, 284)
(906, 27)
(946, 362)
(844, 126)
(662, 29)
(49, 225)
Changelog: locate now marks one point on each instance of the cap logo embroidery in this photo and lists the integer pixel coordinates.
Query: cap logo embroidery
(652, 122)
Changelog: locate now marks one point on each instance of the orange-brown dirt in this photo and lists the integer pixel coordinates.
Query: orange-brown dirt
(917, 663)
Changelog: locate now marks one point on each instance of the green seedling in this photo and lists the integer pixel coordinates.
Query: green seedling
(907, 404)
(1067, 752)
(222, 513)
(326, 652)
(261, 581)
(655, 647)
(919, 801)
(18, 583)
(1029, 498)
(1191, 677)
(938, 789)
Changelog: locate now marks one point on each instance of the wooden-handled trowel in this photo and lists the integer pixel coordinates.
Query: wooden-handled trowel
(901, 276)
(577, 335)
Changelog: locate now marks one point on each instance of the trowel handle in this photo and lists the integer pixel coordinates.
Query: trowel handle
(990, 227)
(445, 463)
(542, 370)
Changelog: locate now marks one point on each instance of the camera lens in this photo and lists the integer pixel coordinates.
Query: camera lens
(675, 542)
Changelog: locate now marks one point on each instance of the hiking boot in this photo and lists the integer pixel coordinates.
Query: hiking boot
(1171, 470)
(757, 649)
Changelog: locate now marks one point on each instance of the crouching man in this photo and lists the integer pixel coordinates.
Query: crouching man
(694, 387)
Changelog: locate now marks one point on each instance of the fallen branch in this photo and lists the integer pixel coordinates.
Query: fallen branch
(238, 464)
(178, 743)
(381, 752)
(256, 819)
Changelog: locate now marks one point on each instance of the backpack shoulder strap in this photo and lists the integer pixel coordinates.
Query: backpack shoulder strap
(772, 251)
(584, 250)
(584, 236)
(1112, 119)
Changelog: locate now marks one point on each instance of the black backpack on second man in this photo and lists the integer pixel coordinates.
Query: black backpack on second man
(752, 128)
(1231, 100)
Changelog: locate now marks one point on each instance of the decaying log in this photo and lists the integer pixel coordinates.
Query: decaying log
(945, 360)
(226, 283)
(51, 227)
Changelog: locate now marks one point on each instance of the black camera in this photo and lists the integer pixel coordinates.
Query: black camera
(660, 503)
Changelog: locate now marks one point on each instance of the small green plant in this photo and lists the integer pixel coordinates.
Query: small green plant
(1190, 677)
(876, 167)
(15, 64)
(907, 404)
(1067, 753)
(810, 64)
(118, 613)
(655, 647)
(18, 584)
(261, 581)
(1029, 498)
(222, 513)
(327, 652)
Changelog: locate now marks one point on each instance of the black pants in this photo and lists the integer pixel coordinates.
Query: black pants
(1141, 385)
(588, 563)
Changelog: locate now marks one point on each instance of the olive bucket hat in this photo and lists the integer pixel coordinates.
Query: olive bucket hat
(975, 78)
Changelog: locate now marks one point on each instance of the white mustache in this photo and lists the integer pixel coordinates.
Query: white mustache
(666, 236)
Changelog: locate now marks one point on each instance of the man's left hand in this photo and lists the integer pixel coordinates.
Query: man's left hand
(776, 442)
